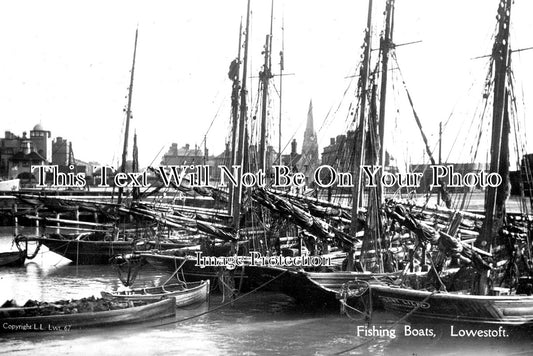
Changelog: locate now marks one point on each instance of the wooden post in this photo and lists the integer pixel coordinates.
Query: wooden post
(58, 216)
(15, 218)
(78, 217)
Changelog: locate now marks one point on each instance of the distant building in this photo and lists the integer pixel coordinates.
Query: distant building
(291, 160)
(187, 155)
(527, 174)
(338, 153)
(18, 154)
(61, 152)
(522, 180)
(184, 155)
(21, 164)
(9, 146)
(42, 142)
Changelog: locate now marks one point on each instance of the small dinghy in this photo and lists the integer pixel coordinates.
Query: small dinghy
(12, 258)
(185, 294)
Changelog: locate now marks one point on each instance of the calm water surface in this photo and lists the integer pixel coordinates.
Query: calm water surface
(263, 323)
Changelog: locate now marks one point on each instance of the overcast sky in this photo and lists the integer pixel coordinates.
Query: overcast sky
(66, 65)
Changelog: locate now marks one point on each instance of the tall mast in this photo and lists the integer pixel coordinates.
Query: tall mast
(500, 55)
(385, 45)
(271, 26)
(128, 118)
(281, 68)
(265, 76)
(242, 120)
(135, 165)
(494, 201)
(235, 67)
(440, 157)
(359, 139)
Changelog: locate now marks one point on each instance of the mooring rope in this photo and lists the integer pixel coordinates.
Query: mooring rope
(225, 304)
(176, 271)
(21, 237)
(345, 292)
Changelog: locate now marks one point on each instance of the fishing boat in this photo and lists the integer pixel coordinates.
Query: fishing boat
(82, 250)
(81, 314)
(321, 289)
(12, 258)
(495, 281)
(353, 229)
(456, 307)
(185, 294)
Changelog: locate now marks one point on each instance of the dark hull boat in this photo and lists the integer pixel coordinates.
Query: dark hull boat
(12, 258)
(321, 289)
(453, 307)
(310, 289)
(184, 294)
(17, 319)
(86, 252)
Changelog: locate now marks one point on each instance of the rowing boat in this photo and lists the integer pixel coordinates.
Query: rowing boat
(65, 315)
(185, 294)
(12, 258)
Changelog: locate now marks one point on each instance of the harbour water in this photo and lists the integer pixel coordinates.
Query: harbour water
(262, 323)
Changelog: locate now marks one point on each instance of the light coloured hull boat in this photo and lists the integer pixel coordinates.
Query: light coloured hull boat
(185, 294)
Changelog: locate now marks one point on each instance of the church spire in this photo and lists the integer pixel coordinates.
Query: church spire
(309, 129)
(310, 159)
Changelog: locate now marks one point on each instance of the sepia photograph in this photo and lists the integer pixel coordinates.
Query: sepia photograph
(266, 177)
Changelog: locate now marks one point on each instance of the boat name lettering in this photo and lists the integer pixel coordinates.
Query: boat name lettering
(405, 302)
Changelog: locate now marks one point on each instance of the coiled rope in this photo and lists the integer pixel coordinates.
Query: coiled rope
(345, 292)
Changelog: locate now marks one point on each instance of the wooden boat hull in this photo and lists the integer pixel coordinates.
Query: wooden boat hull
(310, 289)
(320, 289)
(508, 310)
(192, 293)
(190, 272)
(245, 278)
(64, 322)
(92, 252)
(12, 258)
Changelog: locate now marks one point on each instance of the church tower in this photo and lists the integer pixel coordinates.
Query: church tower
(309, 160)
